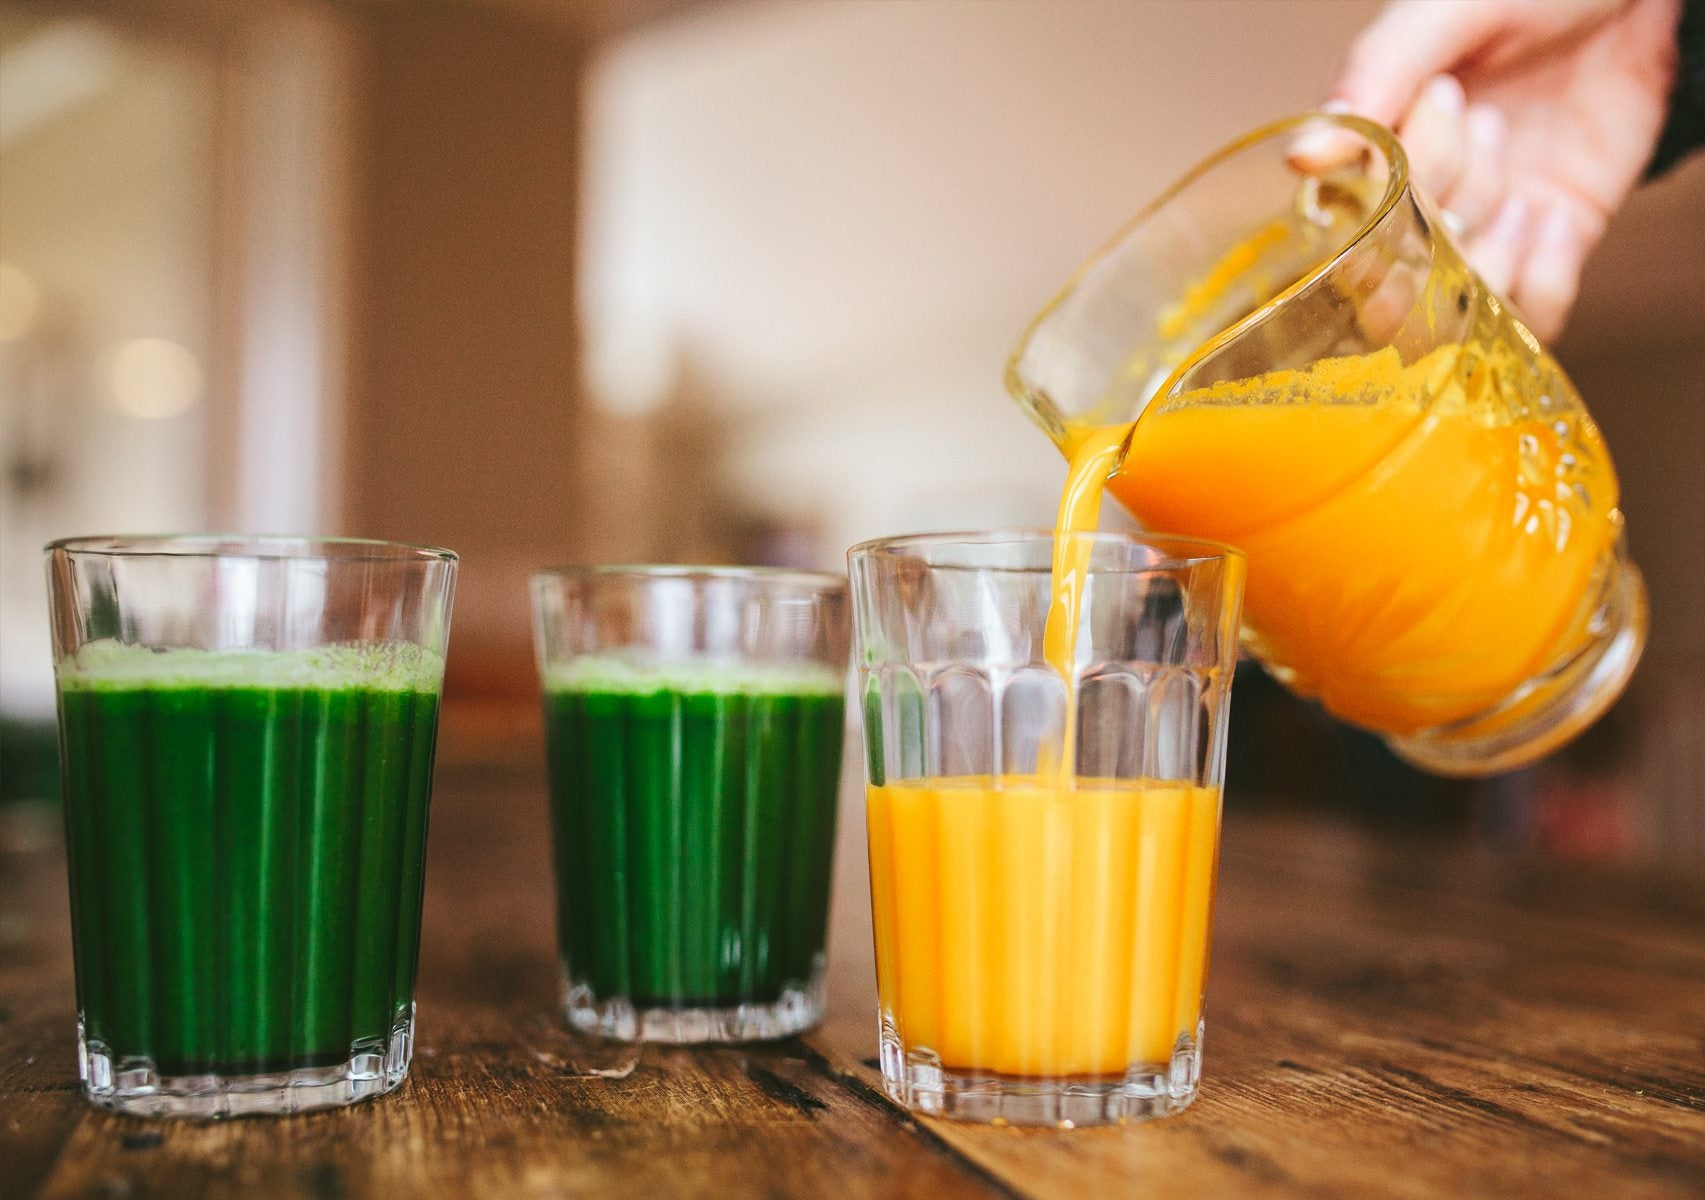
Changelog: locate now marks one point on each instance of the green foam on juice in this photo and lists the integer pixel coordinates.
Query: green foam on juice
(710, 677)
(107, 665)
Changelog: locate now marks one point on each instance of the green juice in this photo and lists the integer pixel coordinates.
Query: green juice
(694, 817)
(247, 837)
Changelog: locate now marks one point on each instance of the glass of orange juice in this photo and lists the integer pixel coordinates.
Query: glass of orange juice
(1044, 817)
(1298, 361)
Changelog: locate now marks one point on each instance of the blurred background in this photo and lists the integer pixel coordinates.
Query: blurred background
(548, 281)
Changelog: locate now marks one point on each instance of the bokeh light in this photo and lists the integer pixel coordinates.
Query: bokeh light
(153, 378)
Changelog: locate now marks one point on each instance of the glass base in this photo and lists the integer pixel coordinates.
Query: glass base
(1555, 707)
(133, 1085)
(794, 1011)
(916, 1079)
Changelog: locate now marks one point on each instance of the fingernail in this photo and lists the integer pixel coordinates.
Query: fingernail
(1557, 229)
(1323, 145)
(1487, 126)
(1510, 221)
(1313, 145)
(1445, 92)
(1336, 106)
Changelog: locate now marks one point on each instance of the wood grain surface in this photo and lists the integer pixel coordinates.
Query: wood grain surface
(1387, 1017)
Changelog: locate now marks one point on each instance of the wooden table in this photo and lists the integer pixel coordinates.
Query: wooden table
(1386, 1017)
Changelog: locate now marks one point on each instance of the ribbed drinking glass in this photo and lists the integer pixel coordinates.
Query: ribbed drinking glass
(694, 719)
(247, 729)
(1042, 928)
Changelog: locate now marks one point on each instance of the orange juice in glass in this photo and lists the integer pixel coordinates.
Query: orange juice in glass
(1043, 802)
(1298, 362)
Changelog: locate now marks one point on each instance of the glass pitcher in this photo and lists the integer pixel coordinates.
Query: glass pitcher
(1310, 372)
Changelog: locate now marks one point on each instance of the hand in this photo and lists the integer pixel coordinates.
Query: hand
(1528, 120)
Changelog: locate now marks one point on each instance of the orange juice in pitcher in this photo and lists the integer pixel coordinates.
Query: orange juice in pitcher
(1302, 365)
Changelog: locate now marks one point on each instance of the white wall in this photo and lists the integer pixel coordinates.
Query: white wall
(846, 212)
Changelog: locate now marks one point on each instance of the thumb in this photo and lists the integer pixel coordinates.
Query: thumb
(1407, 44)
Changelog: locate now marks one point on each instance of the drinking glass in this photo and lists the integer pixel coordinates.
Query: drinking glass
(1042, 935)
(1317, 377)
(247, 728)
(694, 721)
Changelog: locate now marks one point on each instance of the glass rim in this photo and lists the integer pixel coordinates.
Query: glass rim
(635, 572)
(1395, 185)
(1210, 550)
(266, 547)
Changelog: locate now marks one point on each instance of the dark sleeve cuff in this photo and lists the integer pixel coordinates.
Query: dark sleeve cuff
(1684, 131)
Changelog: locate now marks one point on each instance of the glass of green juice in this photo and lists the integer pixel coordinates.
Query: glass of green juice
(247, 728)
(694, 721)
